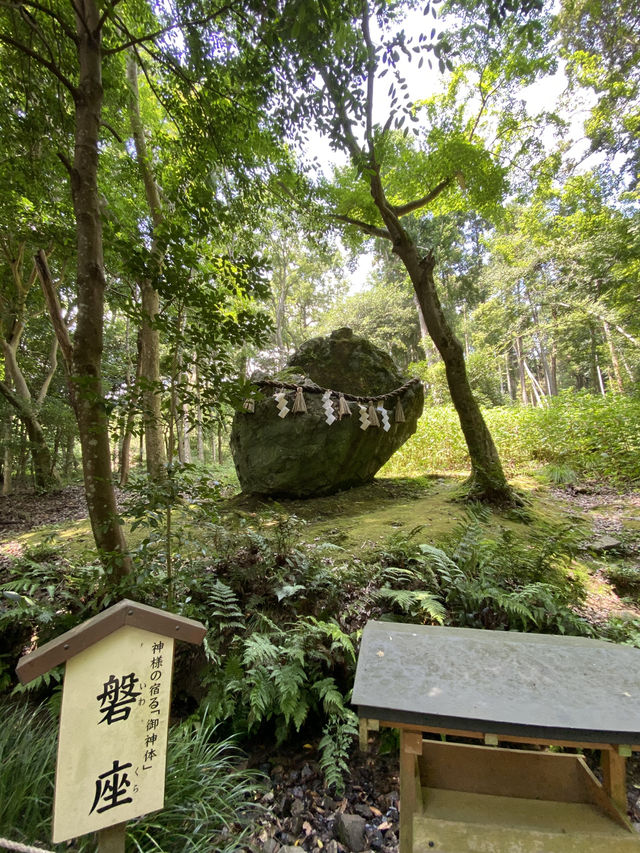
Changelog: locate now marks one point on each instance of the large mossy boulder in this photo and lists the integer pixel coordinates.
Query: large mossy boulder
(301, 455)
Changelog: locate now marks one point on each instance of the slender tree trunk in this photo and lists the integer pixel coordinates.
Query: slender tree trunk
(521, 371)
(149, 335)
(199, 431)
(44, 475)
(507, 365)
(86, 383)
(618, 385)
(125, 450)
(69, 457)
(7, 457)
(487, 480)
(424, 332)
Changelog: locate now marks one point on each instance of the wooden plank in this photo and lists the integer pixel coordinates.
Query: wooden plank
(614, 777)
(111, 839)
(126, 612)
(410, 749)
(502, 738)
(503, 772)
(471, 837)
(363, 734)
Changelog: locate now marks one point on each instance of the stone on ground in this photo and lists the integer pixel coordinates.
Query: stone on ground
(301, 455)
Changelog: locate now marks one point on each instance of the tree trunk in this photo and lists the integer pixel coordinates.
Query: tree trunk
(507, 365)
(43, 471)
(7, 459)
(125, 449)
(487, 480)
(149, 335)
(424, 332)
(89, 403)
(615, 364)
(199, 429)
(522, 376)
(219, 431)
(69, 457)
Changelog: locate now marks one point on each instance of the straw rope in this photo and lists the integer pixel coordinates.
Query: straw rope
(317, 389)
(21, 848)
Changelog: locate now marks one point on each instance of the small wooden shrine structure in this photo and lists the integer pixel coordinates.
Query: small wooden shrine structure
(532, 691)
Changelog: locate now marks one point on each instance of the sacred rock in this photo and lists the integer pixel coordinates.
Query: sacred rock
(319, 449)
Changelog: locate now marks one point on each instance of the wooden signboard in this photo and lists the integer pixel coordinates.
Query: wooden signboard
(114, 717)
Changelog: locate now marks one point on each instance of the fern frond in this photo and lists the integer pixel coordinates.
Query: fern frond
(258, 649)
(328, 693)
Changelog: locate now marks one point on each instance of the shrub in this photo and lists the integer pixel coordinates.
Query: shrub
(576, 434)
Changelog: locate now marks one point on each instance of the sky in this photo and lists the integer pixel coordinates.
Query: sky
(545, 94)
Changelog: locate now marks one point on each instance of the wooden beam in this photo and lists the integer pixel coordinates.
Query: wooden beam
(410, 749)
(614, 776)
(505, 738)
(111, 839)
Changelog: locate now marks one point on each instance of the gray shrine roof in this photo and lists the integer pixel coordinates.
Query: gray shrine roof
(501, 682)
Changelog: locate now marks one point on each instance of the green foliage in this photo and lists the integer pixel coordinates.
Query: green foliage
(495, 581)
(209, 801)
(625, 578)
(590, 436)
(622, 629)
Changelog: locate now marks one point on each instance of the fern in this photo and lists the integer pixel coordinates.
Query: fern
(413, 602)
(258, 650)
(328, 693)
(338, 737)
(223, 607)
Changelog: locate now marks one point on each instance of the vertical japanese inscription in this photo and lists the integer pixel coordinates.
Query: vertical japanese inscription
(113, 732)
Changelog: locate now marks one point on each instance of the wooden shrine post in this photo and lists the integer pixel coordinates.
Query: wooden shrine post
(114, 719)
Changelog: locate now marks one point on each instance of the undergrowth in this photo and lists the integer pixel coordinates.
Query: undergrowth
(284, 618)
(577, 435)
(209, 801)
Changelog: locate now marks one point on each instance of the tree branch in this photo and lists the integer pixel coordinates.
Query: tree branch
(345, 125)
(51, 298)
(5, 39)
(109, 9)
(45, 11)
(113, 131)
(133, 41)
(371, 68)
(66, 163)
(53, 366)
(404, 209)
(372, 230)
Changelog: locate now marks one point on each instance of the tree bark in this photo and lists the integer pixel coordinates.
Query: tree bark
(7, 457)
(125, 449)
(89, 402)
(44, 475)
(487, 480)
(618, 385)
(149, 335)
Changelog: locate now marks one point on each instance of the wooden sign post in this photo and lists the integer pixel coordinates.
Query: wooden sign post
(114, 718)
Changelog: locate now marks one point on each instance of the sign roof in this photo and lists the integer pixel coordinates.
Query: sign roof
(126, 612)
